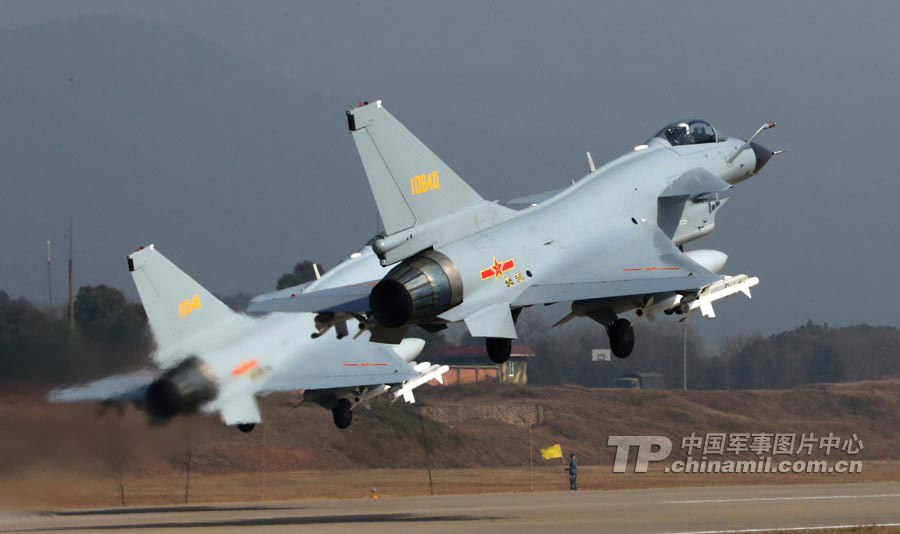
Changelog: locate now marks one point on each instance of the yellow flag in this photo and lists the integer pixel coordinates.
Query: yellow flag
(553, 451)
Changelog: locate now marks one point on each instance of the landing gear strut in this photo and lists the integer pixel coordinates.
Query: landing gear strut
(621, 337)
(498, 349)
(342, 414)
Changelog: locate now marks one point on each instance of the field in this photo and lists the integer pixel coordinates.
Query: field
(74, 490)
(476, 439)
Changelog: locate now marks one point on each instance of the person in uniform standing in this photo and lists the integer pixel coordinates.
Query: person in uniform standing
(573, 472)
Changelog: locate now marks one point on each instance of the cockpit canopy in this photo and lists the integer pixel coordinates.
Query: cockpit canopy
(688, 132)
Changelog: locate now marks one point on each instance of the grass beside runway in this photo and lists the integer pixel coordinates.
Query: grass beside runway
(60, 490)
(841, 530)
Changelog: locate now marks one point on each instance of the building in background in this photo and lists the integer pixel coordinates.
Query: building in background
(470, 365)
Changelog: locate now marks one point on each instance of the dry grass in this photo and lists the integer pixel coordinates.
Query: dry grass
(51, 489)
(850, 530)
(55, 455)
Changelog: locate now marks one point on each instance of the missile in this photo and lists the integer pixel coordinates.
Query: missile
(662, 303)
(429, 372)
(373, 392)
(704, 298)
(712, 260)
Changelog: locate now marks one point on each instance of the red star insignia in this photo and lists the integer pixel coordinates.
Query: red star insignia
(498, 268)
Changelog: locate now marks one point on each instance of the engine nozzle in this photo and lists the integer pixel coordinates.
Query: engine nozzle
(181, 389)
(416, 291)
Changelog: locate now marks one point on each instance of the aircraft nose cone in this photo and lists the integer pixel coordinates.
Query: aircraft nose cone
(762, 154)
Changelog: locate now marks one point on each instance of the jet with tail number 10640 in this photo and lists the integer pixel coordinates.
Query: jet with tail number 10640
(611, 243)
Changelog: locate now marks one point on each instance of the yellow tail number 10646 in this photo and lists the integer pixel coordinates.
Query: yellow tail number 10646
(424, 183)
(185, 307)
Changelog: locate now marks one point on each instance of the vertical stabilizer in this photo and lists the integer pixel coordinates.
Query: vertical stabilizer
(177, 307)
(411, 185)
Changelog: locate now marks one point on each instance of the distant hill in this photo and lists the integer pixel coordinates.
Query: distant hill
(147, 132)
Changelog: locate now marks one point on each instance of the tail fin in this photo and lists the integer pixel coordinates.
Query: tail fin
(410, 183)
(177, 306)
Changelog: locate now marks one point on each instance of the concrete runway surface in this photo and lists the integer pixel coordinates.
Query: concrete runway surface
(684, 510)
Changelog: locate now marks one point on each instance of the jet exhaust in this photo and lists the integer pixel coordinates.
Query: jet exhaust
(181, 390)
(416, 291)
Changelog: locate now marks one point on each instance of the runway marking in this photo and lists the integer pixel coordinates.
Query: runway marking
(808, 498)
(786, 529)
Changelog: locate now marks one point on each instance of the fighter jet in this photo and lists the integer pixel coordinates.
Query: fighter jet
(213, 360)
(610, 243)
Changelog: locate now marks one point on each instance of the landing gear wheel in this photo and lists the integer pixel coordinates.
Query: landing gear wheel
(342, 414)
(246, 427)
(621, 338)
(498, 349)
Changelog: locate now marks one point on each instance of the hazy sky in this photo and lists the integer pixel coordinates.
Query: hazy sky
(509, 94)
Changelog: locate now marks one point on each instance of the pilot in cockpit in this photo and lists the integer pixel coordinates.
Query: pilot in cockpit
(679, 134)
(690, 132)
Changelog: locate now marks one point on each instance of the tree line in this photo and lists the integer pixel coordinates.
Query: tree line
(111, 335)
(810, 353)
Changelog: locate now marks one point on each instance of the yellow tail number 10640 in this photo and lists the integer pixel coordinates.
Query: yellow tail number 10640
(424, 183)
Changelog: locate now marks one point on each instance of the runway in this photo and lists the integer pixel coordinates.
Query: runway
(657, 511)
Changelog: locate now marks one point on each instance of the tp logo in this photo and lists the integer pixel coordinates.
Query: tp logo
(645, 454)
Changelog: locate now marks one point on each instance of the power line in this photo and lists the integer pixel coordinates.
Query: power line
(49, 281)
(71, 288)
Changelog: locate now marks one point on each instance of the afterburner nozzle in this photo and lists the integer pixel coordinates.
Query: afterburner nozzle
(416, 291)
(181, 390)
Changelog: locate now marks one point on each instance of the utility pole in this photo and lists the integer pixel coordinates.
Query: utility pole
(71, 289)
(190, 454)
(684, 358)
(427, 452)
(262, 479)
(530, 406)
(530, 457)
(49, 282)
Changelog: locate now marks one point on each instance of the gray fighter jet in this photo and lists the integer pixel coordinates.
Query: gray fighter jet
(610, 243)
(214, 360)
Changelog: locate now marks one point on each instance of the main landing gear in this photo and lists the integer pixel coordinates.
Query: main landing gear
(498, 349)
(342, 414)
(621, 337)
